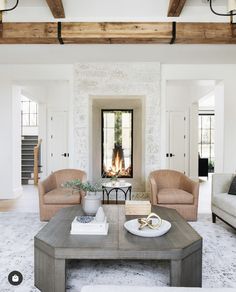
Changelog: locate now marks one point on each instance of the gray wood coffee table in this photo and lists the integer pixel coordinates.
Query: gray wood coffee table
(53, 246)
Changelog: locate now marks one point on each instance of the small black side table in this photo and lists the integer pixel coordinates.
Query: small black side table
(108, 187)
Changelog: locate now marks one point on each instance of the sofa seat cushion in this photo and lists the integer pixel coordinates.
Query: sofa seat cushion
(62, 196)
(225, 202)
(174, 196)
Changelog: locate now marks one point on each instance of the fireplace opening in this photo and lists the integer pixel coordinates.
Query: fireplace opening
(117, 143)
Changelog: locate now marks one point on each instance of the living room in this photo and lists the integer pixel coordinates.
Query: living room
(127, 97)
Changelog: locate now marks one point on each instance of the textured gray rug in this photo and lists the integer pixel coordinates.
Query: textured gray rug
(16, 253)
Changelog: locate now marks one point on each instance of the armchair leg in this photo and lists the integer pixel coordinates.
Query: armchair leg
(213, 218)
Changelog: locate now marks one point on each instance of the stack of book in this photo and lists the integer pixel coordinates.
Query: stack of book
(89, 225)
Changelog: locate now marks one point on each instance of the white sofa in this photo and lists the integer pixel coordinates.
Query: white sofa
(108, 288)
(223, 205)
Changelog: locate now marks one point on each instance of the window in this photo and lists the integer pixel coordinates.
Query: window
(29, 112)
(207, 138)
(117, 143)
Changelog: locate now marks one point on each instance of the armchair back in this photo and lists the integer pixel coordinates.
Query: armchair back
(64, 175)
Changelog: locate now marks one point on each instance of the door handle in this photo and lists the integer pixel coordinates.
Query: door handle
(172, 155)
(65, 154)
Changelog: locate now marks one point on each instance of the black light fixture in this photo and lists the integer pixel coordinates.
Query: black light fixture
(231, 9)
(4, 9)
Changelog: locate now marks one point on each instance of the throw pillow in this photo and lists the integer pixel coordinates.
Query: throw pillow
(232, 189)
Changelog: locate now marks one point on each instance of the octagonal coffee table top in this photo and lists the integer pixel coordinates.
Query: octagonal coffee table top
(55, 238)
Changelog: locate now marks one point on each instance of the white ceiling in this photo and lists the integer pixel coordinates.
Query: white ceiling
(70, 54)
(207, 101)
(113, 10)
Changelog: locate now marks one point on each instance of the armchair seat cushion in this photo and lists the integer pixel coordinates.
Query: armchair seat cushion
(62, 196)
(225, 202)
(174, 196)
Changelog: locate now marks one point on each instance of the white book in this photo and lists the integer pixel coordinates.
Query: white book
(93, 227)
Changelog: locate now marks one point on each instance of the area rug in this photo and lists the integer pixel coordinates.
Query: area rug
(16, 253)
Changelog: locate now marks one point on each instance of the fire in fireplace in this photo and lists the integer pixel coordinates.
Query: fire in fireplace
(117, 143)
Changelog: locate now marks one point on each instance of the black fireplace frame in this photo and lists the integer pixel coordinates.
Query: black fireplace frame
(132, 138)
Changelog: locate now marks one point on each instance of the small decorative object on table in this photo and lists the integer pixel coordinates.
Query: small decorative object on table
(92, 200)
(114, 177)
(122, 183)
(149, 222)
(152, 226)
(90, 225)
(137, 207)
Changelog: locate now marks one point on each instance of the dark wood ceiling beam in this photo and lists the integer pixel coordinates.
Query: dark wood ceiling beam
(175, 7)
(117, 33)
(56, 7)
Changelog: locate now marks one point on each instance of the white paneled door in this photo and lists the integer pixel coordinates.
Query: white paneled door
(177, 153)
(58, 155)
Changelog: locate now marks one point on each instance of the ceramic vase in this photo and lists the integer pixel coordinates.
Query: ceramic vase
(91, 203)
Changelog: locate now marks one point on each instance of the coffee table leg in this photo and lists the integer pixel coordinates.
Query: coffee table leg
(187, 272)
(49, 273)
(60, 275)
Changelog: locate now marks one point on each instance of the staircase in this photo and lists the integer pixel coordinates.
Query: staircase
(27, 159)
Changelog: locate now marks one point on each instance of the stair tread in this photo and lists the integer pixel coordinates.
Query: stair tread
(27, 165)
(29, 150)
(29, 178)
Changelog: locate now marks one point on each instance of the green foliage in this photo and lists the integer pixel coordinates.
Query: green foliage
(83, 186)
(118, 128)
(115, 176)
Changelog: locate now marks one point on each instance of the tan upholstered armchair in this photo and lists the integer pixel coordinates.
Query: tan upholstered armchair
(52, 195)
(173, 189)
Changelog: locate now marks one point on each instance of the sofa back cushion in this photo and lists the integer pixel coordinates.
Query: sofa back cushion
(232, 188)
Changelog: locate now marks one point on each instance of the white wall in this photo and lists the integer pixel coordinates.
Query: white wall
(50, 95)
(229, 146)
(219, 126)
(10, 133)
(6, 147)
(18, 74)
(11, 79)
(117, 79)
(16, 140)
(183, 95)
(226, 73)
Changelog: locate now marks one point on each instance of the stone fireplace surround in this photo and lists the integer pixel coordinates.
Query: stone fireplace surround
(114, 80)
